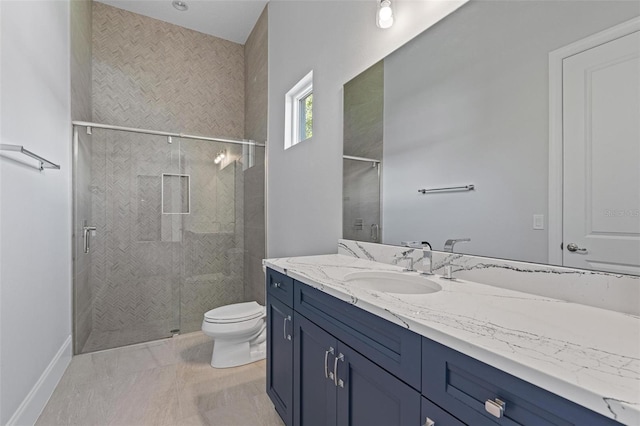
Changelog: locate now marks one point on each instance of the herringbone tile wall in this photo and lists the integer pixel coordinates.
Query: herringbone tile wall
(152, 74)
(150, 268)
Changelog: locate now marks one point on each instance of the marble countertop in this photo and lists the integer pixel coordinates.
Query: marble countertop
(587, 355)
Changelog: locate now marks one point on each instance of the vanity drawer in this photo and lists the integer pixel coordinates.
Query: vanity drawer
(280, 286)
(432, 415)
(463, 385)
(394, 348)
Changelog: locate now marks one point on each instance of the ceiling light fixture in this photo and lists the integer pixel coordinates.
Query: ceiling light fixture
(384, 17)
(221, 156)
(180, 5)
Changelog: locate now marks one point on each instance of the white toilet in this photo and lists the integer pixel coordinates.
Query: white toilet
(239, 333)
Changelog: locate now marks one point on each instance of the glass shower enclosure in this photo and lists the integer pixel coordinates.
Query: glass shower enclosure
(361, 213)
(158, 233)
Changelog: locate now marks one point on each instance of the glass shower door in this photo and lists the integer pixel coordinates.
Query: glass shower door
(213, 232)
(128, 186)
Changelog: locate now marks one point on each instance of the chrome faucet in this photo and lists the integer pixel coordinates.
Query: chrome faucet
(405, 256)
(448, 245)
(427, 262)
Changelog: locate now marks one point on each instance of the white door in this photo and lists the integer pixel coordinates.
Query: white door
(601, 157)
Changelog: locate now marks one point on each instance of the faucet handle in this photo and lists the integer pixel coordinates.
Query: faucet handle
(406, 255)
(427, 261)
(416, 244)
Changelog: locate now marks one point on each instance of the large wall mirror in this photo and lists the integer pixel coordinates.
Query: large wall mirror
(468, 102)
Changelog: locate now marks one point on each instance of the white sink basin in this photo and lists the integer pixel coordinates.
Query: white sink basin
(392, 282)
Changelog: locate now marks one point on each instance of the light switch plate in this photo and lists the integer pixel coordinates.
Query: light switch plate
(538, 221)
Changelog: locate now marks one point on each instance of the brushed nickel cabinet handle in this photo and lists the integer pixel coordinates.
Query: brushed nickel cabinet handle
(429, 422)
(335, 371)
(326, 359)
(495, 407)
(284, 328)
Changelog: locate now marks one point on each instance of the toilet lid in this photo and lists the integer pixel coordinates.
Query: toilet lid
(234, 313)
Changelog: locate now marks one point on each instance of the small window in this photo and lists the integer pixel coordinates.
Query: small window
(306, 117)
(299, 112)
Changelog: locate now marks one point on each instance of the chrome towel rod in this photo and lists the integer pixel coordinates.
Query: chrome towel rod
(89, 125)
(369, 160)
(44, 163)
(450, 188)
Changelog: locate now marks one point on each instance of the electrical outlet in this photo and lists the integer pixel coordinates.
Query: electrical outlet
(538, 221)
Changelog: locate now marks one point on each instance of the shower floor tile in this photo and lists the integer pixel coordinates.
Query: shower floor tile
(165, 382)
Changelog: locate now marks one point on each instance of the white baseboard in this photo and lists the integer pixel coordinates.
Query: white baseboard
(35, 401)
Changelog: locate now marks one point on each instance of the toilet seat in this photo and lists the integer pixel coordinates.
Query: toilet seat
(235, 313)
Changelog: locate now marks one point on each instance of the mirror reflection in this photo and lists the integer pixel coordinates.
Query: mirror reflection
(520, 122)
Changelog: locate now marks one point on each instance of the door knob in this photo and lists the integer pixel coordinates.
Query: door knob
(573, 247)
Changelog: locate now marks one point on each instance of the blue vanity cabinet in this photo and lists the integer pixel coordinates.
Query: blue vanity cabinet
(475, 392)
(336, 385)
(280, 344)
(432, 415)
(369, 395)
(394, 348)
(332, 363)
(314, 382)
(280, 286)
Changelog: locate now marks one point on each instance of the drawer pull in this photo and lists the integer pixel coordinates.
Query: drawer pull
(277, 284)
(326, 359)
(429, 422)
(495, 407)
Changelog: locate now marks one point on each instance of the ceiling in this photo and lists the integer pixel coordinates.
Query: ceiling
(228, 19)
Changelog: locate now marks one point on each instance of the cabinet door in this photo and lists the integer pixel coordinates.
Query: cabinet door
(280, 358)
(368, 395)
(314, 389)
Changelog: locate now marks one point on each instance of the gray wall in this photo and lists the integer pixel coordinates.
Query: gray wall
(35, 212)
(340, 40)
(467, 102)
(255, 128)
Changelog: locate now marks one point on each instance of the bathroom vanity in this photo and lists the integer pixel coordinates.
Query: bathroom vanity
(341, 351)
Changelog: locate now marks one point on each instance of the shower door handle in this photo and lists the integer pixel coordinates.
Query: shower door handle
(86, 237)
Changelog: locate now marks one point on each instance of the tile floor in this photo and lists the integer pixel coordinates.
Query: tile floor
(166, 382)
